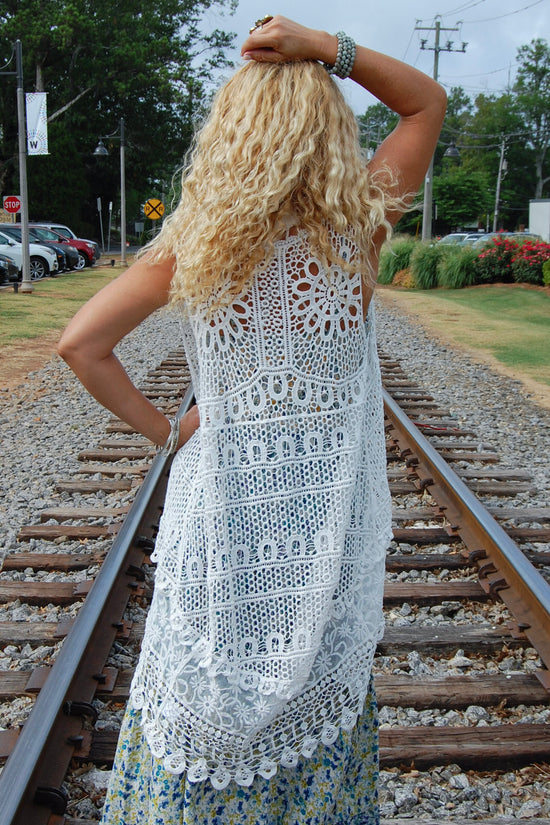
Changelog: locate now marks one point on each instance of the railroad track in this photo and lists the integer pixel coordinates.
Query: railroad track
(466, 584)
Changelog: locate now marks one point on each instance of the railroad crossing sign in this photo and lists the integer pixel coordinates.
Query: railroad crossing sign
(12, 204)
(153, 209)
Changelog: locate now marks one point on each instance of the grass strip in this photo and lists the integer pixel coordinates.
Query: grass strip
(51, 305)
(509, 323)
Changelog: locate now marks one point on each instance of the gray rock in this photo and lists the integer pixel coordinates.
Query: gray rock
(475, 714)
(387, 809)
(529, 809)
(95, 779)
(460, 781)
(405, 799)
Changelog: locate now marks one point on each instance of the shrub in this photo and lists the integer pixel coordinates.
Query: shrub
(404, 278)
(424, 264)
(393, 258)
(386, 271)
(456, 268)
(546, 273)
(494, 262)
(528, 261)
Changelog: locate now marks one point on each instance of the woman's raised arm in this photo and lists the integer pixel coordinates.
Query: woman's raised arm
(416, 98)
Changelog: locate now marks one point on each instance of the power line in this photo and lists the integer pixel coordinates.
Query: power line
(474, 90)
(474, 136)
(477, 74)
(409, 43)
(464, 7)
(506, 14)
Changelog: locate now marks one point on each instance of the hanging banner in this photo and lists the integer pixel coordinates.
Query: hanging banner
(37, 126)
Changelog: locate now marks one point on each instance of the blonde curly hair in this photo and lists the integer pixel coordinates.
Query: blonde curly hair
(279, 141)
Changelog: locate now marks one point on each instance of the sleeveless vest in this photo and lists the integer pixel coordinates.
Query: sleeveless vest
(271, 548)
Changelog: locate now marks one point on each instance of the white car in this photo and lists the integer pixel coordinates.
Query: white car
(453, 238)
(43, 260)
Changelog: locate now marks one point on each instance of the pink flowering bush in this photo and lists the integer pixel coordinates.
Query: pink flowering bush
(528, 261)
(494, 263)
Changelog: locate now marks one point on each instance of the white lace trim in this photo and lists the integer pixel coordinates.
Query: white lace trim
(268, 594)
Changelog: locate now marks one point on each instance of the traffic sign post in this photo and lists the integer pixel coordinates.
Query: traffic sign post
(153, 209)
(12, 204)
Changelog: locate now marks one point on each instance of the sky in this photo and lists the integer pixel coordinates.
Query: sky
(492, 29)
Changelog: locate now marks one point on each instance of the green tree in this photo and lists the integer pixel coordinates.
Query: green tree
(457, 122)
(512, 129)
(532, 89)
(375, 125)
(147, 62)
(458, 115)
(460, 196)
(495, 122)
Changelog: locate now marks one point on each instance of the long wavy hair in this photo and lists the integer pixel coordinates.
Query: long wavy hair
(280, 141)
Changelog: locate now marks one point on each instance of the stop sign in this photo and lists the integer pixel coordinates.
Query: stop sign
(12, 204)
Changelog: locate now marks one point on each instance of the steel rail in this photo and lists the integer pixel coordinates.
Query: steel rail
(505, 569)
(54, 728)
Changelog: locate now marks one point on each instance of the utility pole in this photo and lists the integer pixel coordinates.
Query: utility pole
(501, 172)
(436, 48)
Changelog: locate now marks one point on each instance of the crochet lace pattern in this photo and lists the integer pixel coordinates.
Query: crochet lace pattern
(268, 591)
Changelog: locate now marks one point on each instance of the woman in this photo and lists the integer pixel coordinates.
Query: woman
(252, 701)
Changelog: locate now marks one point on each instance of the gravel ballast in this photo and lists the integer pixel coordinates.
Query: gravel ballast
(50, 417)
(495, 407)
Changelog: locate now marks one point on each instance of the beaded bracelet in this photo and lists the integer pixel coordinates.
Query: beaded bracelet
(171, 444)
(345, 57)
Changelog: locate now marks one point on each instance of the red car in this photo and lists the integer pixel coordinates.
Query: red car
(86, 249)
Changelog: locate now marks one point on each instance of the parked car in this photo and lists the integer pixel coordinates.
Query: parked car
(453, 238)
(9, 272)
(75, 258)
(91, 251)
(83, 249)
(515, 236)
(470, 238)
(525, 236)
(14, 231)
(43, 260)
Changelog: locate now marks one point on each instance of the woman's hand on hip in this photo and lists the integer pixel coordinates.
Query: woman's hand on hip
(188, 424)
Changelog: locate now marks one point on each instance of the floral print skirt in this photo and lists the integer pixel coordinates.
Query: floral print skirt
(337, 786)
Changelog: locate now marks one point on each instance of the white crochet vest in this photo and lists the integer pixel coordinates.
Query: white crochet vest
(268, 592)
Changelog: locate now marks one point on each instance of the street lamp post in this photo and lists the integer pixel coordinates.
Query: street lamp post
(452, 152)
(102, 151)
(26, 284)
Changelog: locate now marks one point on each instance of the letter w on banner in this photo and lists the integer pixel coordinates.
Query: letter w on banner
(37, 124)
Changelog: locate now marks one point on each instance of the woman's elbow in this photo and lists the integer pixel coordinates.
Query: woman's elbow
(441, 100)
(70, 348)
